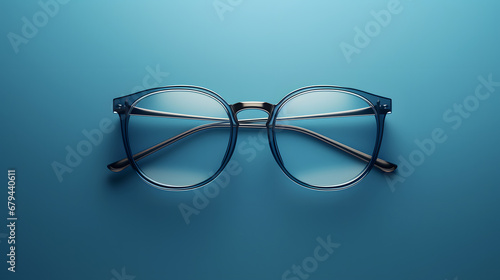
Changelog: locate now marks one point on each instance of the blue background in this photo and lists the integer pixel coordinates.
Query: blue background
(442, 222)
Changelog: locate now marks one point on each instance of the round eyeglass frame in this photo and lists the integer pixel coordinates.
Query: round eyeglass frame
(124, 105)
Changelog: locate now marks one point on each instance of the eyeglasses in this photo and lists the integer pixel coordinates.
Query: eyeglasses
(182, 137)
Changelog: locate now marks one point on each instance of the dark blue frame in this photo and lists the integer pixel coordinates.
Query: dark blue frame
(381, 105)
(124, 105)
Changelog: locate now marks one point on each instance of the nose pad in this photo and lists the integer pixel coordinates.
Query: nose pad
(252, 117)
(252, 132)
(262, 106)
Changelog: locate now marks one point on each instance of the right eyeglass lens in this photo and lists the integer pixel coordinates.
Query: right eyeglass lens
(318, 131)
(191, 132)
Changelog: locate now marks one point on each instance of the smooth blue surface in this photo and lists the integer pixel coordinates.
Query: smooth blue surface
(442, 222)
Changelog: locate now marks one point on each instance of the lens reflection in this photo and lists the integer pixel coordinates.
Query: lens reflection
(185, 134)
(319, 134)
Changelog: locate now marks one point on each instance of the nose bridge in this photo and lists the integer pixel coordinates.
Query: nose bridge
(264, 106)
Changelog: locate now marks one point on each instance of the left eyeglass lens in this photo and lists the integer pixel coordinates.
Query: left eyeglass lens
(192, 130)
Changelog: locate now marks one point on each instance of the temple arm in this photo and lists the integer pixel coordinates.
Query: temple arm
(379, 163)
(153, 113)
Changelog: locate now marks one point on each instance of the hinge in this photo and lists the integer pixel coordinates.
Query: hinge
(384, 107)
(120, 106)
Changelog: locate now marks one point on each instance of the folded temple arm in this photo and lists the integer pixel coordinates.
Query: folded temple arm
(251, 123)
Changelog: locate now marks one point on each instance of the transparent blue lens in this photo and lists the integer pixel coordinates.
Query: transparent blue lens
(319, 134)
(191, 127)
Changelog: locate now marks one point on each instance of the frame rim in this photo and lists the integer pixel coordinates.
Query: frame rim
(381, 105)
(380, 113)
(132, 99)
